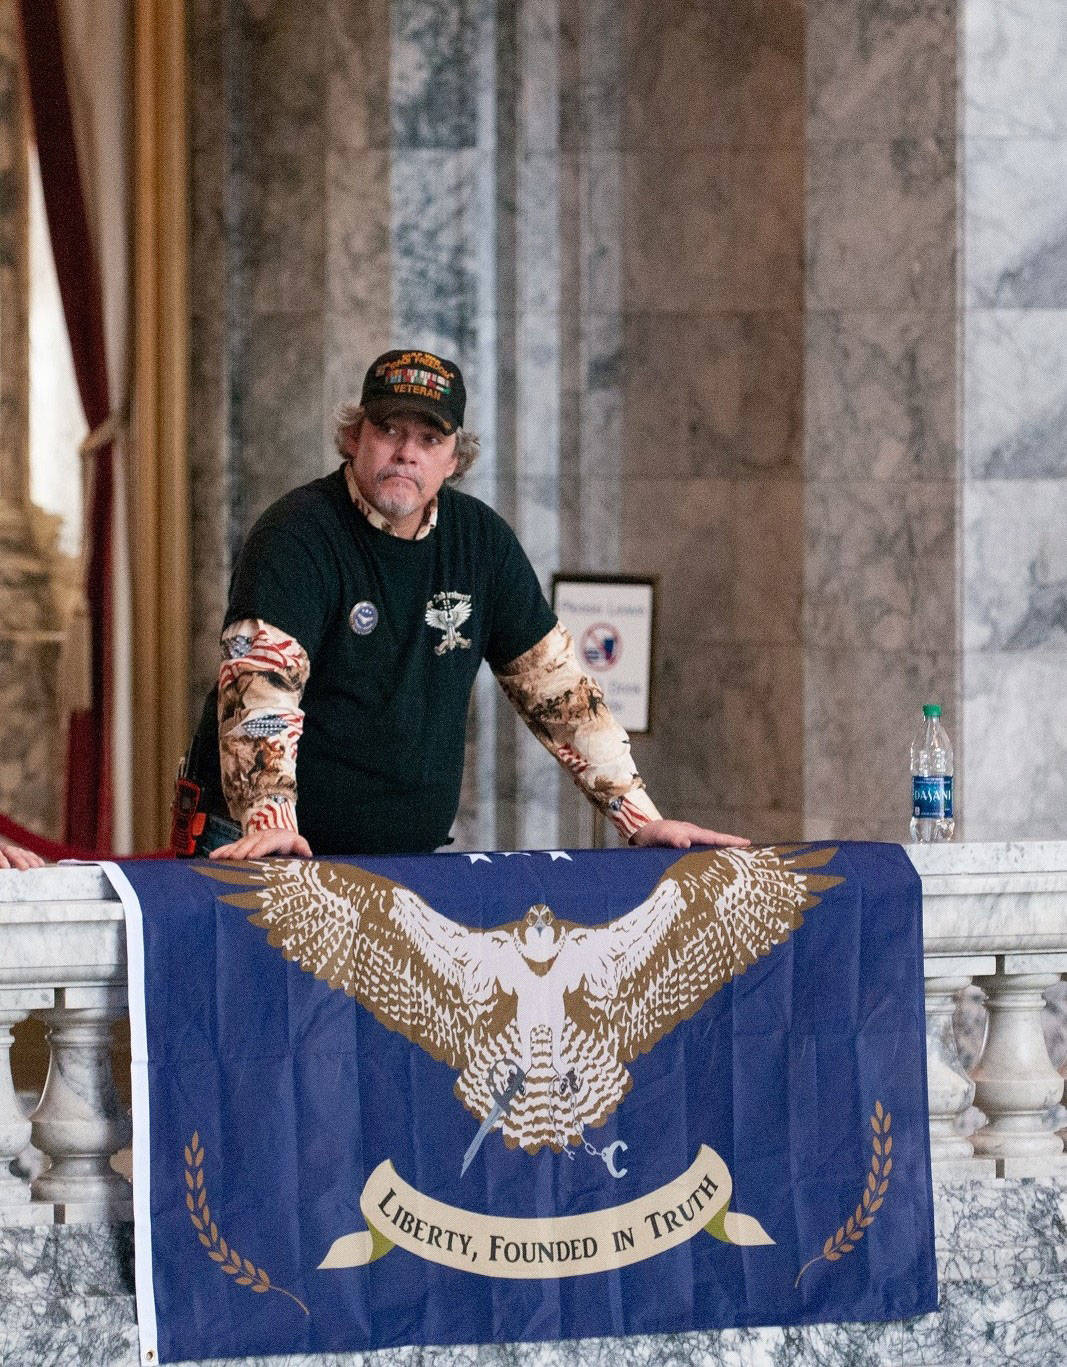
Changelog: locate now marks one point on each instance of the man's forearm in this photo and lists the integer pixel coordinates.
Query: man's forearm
(566, 711)
(261, 682)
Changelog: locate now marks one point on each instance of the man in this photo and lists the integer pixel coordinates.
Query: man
(360, 609)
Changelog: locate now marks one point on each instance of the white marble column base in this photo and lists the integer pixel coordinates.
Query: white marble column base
(88, 1212)
(964, 1170)
(1033, 1167)
(27, 1213)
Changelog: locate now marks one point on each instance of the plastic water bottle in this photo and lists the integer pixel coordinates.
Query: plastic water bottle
(931, 780)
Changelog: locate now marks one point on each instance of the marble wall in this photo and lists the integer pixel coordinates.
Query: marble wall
(1014, 505)
(700, 266)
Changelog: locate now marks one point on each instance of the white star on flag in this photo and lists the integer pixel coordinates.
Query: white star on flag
(475, 857)
(558, 854)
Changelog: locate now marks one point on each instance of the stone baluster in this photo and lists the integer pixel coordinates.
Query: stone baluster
(15, 1207)
(1017, 1085)
(949, 1089)
(80, 1122)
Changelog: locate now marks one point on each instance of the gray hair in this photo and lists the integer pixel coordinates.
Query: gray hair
(349, 418)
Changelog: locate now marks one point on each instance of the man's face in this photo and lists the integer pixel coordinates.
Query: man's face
(399, 465)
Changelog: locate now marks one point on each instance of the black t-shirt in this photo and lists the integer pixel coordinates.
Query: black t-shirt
(395, 631)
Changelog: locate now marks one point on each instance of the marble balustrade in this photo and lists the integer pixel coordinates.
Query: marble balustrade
(995, 920)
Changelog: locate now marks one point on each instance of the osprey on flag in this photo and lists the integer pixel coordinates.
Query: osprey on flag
(568, 1005)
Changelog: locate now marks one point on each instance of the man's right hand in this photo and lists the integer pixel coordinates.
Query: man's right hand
(260, 844)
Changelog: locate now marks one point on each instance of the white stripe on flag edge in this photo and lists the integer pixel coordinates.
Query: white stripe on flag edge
(142, 1186)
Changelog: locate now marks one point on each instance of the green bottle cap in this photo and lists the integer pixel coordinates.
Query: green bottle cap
(931, 709)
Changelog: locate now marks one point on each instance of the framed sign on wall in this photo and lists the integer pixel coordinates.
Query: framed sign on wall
(611, 618)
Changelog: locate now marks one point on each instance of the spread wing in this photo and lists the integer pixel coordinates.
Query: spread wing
(416, 971)
(709, 917)
(461, 610)
(435, 617)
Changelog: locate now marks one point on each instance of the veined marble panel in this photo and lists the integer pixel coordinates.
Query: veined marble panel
(880, 395)
(682, 531)
(702, 74)
(1015, 53)
(738, 413)
(1014, 739)
(880, 564)
(209, 150)
(434, 243)
(435, 69)
(357, 213)
(714, 229)
(280, 433)
(881, 70)
(768, 561)
(593, 75)
(861, 707)
(282, 198)
(209, 478)
(598, 390)
(731, 566)
(726, 731)
(31, 741)
(1015, 565)
(881, 217)
(538, 384)
(539, 245)
(600, 205)
(282, 48)
(1015, 412)
(357, 73)
(538, 40)
(1016, 222)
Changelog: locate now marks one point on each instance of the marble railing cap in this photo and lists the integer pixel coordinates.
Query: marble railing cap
(56, 883)
(990, 856)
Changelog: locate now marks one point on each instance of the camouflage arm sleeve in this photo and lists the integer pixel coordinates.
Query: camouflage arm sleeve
(261, 682)
(566, 711)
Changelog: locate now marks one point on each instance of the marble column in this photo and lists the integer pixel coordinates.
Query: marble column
(880, 375)
(1014, 313)
(711, 430)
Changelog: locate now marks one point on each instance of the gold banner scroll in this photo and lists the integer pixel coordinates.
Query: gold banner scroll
(565, 1246)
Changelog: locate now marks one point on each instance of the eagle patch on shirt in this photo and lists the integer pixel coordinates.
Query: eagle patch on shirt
(447, 612)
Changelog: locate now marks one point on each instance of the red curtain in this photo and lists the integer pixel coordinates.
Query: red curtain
(89, 804)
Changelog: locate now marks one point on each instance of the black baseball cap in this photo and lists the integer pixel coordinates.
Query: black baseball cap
(415, 381)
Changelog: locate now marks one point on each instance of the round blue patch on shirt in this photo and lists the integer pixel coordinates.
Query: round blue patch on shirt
(363, 618)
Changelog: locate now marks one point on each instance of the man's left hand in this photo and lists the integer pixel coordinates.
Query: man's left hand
(680, 835)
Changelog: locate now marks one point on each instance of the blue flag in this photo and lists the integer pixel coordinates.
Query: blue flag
(472, 1098)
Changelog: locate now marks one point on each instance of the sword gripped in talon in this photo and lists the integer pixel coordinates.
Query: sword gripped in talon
(501, 1106)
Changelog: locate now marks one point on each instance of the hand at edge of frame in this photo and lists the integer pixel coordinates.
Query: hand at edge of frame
(680, 835)
(15, 857)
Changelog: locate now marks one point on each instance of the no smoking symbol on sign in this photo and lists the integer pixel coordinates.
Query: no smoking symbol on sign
(601, 645)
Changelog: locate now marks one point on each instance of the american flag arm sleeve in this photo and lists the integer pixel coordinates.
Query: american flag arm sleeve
(566, 711)
(261, 681)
